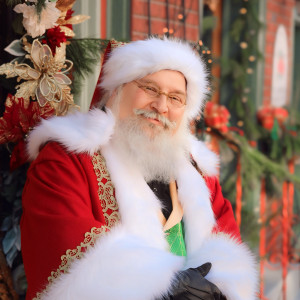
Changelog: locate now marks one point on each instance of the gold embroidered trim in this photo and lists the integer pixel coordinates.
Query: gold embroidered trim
(111, 214)
(71, 255)
(106, 191)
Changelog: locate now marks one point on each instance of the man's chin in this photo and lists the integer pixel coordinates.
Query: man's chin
(152, 130)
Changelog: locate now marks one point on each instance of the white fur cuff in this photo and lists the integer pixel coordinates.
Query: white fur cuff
(233, 269)
(120, 266)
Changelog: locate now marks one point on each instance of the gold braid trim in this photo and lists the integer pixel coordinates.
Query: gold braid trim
(106, 189)
(71, 255)
(111, 214)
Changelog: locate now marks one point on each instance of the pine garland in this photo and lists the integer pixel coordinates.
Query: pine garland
(40, 5)
(12, 3)
(85, 54)
(236, 70)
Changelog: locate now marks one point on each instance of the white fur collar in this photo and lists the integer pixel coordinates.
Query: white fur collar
(144, 263)
(87, 132)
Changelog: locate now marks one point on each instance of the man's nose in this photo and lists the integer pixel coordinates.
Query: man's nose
(160, 103)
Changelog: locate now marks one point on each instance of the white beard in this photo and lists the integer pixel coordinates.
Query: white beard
(153, 149)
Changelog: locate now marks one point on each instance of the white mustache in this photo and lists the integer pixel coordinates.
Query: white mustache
(153, 115)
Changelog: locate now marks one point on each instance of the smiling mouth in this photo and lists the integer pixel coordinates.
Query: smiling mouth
(154, 121)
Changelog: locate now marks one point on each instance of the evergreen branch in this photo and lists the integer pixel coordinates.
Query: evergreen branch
(85, 54)
(13, 3)
(40, 5)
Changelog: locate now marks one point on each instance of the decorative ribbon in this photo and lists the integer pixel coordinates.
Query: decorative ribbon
(268, 114)
(216, 116)
(238, 209)
(287, 219)
(285, 239)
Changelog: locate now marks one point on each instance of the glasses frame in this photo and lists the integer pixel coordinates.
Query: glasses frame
(159, 92)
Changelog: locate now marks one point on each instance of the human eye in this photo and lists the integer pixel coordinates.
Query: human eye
(151, 90)
(176, 98)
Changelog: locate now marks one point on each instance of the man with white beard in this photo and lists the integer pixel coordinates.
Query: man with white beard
(123, 202)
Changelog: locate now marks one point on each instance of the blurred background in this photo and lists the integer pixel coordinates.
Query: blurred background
(252, 49)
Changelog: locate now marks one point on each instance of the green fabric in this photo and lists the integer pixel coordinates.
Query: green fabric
(175, 238)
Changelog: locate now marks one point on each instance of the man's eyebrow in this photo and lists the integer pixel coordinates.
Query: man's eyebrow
(149, 81)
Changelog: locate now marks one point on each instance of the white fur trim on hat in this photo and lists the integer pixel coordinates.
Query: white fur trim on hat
(141, 58)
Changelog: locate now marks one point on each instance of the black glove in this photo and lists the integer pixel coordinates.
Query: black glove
(191, 285)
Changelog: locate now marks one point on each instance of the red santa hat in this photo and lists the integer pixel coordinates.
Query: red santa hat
(138, 59)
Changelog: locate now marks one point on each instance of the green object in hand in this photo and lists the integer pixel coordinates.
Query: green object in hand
(175, 238)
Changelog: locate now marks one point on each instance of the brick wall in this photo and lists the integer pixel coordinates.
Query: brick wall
(158, 19)
(277, 12)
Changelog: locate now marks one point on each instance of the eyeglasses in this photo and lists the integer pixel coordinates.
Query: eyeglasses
(175, 100)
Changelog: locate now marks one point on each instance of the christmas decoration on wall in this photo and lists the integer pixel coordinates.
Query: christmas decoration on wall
(41, 81)
(259, 148)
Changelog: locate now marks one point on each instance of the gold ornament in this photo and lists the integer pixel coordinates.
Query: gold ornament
(64, 5)
(73, 20)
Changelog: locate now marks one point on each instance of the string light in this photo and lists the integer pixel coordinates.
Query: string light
(203, 51)
(243, 45)
(180, 16)
(252, 58)
(200, 43)
(171, 31)
(165, 30)
(208, 51)
(243, 11)
(244, 99)
(250, 71)
(240, 123)
(209, 61)
(208, 129)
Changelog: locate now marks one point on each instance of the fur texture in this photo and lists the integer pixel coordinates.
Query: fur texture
(135, 254)
(86, 132)
(140, 58)
(114, 269)
(233, 269)
(207, 161)
(78, 132)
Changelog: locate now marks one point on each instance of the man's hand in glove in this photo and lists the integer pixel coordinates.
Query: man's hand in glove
(191, 285)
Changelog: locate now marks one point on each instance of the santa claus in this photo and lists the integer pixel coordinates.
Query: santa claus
(123, 202)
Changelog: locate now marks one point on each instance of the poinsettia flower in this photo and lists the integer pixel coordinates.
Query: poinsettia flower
(46, 81)
(35, 24)
(19, 117)
(54, 38)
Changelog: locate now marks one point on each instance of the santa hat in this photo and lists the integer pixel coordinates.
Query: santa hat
(138, 59)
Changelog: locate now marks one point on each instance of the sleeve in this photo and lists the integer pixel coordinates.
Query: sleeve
(58, 212)
(222, 209)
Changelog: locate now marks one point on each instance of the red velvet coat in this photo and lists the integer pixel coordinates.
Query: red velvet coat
(70, 206)
(61, 204)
